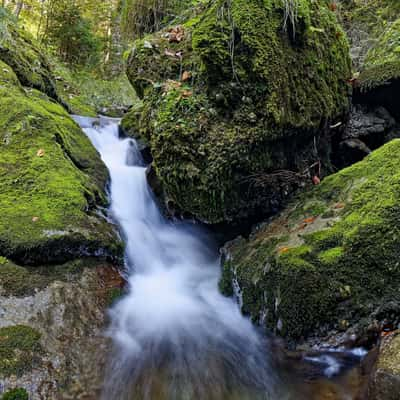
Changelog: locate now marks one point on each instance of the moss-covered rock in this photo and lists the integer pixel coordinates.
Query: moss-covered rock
(23, 55)
(331, 258)
(232, 95)
(51, 181)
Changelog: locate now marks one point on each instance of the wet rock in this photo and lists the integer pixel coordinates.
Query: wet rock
(385, 383)
(68, 316)
(352, 151)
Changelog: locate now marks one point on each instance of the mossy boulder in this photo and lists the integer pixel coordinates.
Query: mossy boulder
(52, 182)
(19, 50)
(331, 258)
(236, 93)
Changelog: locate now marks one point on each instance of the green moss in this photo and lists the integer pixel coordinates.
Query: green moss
(19, 349)
(225, 284)
(51, 182)
(112, 295)
(22, 281)
(255, 100)
(15, 394)
(332, 269)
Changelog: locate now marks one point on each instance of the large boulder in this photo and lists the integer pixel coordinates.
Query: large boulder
(51, 182)
(237, 99)
(331, 259)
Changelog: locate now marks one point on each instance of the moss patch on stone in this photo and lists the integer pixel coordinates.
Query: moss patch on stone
(19, 349)
(15, 394)
(304, 271)
(253, 99)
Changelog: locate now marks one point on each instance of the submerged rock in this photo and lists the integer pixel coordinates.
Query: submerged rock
(330, 260)
(238, 103)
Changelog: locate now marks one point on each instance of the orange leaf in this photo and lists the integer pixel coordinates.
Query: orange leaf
(338, 206)
(187, 93)
(309, 220)
(282, 250)
(316, 180)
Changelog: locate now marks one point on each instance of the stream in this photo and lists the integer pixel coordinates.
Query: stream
(175, 336)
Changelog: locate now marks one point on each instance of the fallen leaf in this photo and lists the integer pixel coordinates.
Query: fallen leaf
(186, 76)
(40, 153)
(333, 6)
(282, 250)
(35, 219)
(176, 34)
(187, 93)
(316, 180)
(309, 220)
(338, 206)
(169, 53)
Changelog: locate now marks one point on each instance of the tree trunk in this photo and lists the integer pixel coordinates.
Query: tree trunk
(18, 8)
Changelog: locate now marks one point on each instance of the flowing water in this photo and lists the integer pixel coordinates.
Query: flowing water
(176, 337)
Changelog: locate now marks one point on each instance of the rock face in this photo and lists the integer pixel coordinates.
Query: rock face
(233, 97)
(386, 380)
(330, 260)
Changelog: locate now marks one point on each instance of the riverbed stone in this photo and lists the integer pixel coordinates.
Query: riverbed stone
(241, 95)
(386, 380)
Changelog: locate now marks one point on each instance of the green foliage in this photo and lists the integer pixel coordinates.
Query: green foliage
(19, 349)
(72, 34)
(15, 394)
(333, 267)
(257, 97)
(145, 16)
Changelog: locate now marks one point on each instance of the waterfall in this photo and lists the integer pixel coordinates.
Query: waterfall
(175, 336)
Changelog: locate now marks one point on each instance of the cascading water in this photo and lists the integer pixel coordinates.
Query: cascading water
(175, 336)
